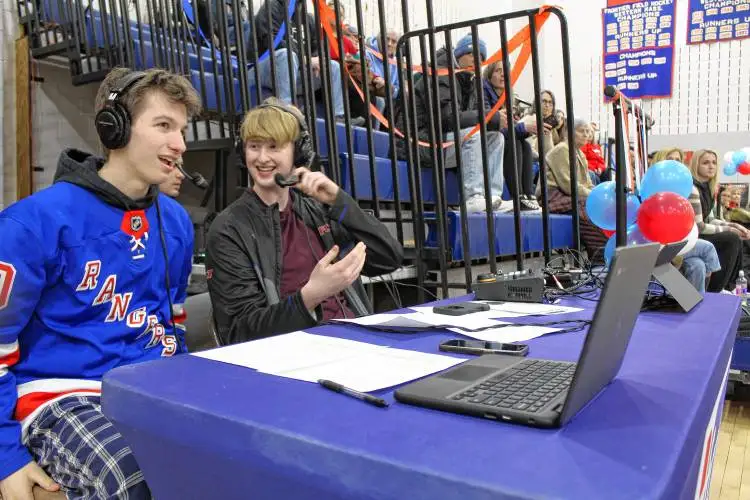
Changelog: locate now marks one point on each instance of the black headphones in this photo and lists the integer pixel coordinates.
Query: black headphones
(303, 146)
(113, 121)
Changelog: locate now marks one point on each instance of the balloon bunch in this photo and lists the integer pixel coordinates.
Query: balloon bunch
(661, 214)
(737, 162)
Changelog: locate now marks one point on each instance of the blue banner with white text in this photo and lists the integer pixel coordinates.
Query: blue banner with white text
(718, 20)
(639, 48)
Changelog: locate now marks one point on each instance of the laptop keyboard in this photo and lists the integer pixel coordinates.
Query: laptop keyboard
(528, 386)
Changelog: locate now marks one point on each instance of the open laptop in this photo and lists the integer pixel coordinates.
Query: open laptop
(546, 393)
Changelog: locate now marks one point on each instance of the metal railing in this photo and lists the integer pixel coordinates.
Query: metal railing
(235, 61)
(436, 127)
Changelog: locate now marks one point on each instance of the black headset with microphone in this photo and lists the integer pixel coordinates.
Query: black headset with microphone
(113, 123)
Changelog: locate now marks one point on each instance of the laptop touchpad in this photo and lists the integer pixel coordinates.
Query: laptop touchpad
(468, 373)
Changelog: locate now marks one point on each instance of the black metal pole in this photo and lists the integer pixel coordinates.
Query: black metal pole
(459, 169)
(572, 149)
(620, 172)
(515, 174)
(540, 137)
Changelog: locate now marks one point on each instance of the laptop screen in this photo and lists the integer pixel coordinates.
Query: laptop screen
(614, 319)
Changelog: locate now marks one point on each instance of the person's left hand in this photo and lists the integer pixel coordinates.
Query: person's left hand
(316, 185)
(744, 232)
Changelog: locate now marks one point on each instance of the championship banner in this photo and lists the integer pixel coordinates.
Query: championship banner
(639, 48)
(717, 20)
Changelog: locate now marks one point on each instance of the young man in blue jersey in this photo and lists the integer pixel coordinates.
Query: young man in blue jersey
(93, 272)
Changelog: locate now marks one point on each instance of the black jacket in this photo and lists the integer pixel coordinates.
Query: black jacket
(467, 98)
(243, 262)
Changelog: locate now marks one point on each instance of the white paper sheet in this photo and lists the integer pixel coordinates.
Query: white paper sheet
(527, 308)
(287, 352)
(423, 317)
(507, 334)
(358, 365)
(367, 371)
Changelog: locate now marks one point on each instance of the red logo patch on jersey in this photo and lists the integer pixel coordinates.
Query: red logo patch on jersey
(134, 223)
(7, 276)
(325, 228)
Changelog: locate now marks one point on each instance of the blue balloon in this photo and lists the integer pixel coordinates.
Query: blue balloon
(633, 204)
(635, 237)
(739, 157)
(730, 169)
(667, 176)
(601, 206)
(609, 249)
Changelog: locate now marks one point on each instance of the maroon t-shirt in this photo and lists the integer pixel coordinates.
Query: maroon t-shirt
(301, 249)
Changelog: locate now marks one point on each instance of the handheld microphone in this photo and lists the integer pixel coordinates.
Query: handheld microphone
(197, 179)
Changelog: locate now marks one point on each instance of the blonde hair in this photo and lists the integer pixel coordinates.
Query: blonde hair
(695, 161)
(272, 121)
(662, 154)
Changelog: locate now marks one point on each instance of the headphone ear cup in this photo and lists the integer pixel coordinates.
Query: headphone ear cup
(303, 149)
(124, 132)
(107, 127)
(113, 126)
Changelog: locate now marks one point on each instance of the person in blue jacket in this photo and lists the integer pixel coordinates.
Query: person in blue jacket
(93, 274)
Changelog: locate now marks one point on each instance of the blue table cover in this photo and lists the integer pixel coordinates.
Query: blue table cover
(205, 429)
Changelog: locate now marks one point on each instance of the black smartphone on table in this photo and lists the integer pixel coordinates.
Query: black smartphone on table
(480, 347)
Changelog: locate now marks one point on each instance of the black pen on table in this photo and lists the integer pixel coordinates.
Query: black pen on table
(367, 398)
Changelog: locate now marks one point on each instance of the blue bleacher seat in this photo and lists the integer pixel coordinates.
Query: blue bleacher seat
(380, 140)
(214, 86)
(561, 232)
(385, 184)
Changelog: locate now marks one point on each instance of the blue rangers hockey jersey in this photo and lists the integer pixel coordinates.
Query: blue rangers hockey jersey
(83, 290)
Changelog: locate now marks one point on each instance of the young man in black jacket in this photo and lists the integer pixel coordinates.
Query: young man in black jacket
(471, 149)
(281, 259)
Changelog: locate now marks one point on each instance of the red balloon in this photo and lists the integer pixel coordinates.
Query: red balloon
(665, 217)
(744, 168)
(608, 233)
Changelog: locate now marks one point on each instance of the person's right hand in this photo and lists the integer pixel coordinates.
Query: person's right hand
(19, 485)
(328, 279)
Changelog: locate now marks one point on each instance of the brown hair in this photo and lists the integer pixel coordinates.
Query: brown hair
(175, 87)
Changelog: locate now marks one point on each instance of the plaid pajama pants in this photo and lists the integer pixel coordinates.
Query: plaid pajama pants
(80, 449)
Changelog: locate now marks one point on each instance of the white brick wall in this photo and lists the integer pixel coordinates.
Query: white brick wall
(62, 117)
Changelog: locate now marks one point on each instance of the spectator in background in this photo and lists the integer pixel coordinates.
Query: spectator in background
(559, 188)
(360, 71)
(264, 37)
(594, 157)
(725, 236)
(730, 207)
(549, 117)
(669, 154)
(472, 166)
(494, 86)
(376, 63)
(171, 187)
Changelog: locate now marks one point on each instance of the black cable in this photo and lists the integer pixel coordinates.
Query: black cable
(166, 274)
(417, 286)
